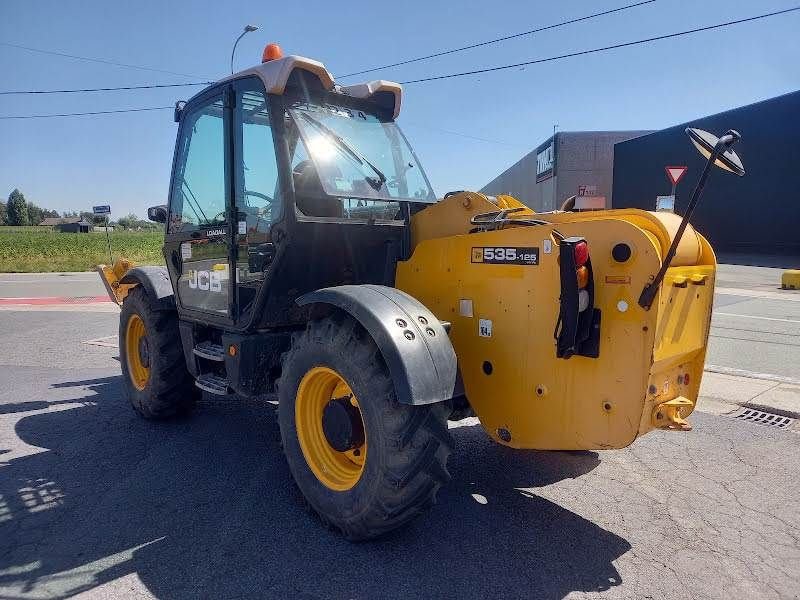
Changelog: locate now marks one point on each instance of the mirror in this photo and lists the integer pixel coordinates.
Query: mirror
(157, 214)
(707, 143)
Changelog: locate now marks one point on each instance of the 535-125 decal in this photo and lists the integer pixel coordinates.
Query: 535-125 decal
(504, 255)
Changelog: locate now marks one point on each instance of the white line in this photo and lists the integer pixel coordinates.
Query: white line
(722, 314)
(751, 374)
(788, 295)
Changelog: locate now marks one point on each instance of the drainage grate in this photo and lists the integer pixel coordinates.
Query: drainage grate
(763, 418)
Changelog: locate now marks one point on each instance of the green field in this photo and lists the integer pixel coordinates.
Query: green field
(38, 250)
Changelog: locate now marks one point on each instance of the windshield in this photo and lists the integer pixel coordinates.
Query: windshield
(358, 155)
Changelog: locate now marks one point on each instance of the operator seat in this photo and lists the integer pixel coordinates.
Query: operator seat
(310, 196)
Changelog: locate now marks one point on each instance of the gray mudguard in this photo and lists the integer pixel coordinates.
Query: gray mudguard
(414, 344)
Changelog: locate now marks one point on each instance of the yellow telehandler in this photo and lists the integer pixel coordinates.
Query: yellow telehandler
(306, 255)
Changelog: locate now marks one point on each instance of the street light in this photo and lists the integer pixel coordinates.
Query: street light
(247, 29)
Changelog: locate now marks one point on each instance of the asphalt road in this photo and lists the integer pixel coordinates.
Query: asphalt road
(97, 502)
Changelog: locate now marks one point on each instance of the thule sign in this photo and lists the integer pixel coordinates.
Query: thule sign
(545, 160)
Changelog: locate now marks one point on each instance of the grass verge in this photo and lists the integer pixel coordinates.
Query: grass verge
(28, 250)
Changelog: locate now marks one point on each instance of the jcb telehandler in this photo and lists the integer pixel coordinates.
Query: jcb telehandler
(307, 255)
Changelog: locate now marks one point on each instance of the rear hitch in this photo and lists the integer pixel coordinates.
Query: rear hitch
(669, 415)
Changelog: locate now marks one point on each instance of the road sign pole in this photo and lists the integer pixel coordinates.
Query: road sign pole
(108, 239)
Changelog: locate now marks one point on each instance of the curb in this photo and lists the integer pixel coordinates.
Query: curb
(724, 388)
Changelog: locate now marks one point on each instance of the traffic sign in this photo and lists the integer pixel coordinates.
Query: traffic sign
(675, 174)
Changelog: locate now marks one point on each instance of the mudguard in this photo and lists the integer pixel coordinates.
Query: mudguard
(413, 342)
(155, 281)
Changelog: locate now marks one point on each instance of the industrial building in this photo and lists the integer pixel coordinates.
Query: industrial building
(755, 214)
(566, 164)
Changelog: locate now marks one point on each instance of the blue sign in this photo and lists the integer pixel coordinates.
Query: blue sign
(101, 210)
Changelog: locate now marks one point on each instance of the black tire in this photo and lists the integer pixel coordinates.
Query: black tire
(169, 390)
(408, 446)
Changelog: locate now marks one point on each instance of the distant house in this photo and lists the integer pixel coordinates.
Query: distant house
(68, 224)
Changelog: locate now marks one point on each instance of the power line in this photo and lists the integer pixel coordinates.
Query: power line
(496, 40)
(96, 60)
(480, 71)
(107, 89)
(603, 49)
(405, 62)
(83, 114)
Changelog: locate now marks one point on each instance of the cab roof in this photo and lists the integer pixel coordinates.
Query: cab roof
(275, 73)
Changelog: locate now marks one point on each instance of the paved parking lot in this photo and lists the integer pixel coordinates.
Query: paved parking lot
(98, 503)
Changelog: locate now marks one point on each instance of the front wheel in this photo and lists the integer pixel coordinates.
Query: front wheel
(157, 382)
(365, 463)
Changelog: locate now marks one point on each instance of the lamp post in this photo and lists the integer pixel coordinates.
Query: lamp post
(247, 29)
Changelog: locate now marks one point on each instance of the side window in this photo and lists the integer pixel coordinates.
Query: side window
(258, 200)
(198, 192)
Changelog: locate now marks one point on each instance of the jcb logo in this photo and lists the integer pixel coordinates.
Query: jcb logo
(207, 281)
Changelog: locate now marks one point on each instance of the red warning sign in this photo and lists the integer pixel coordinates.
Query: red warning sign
(675, 174)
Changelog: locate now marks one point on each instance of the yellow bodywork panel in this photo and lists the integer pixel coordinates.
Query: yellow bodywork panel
(504, 315)
(111, 276)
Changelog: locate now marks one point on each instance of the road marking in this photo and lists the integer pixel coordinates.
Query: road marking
(756, 317)
(788, 295)
(751, 374)
(47, 300)
(109, 341)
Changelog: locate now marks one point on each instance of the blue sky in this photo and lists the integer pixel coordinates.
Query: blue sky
(124, 160)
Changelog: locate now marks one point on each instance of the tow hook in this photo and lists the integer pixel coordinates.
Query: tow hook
(668, 415)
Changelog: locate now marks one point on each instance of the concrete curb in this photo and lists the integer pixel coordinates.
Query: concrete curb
(722, 393)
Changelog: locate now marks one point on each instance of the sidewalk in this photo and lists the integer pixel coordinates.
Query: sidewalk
(722, 393)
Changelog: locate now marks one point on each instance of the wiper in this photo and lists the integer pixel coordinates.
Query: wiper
(349, 150)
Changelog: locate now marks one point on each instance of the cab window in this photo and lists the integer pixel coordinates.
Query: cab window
(198, 192)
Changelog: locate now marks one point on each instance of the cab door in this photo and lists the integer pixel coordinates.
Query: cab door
(258, 202)
(199, 240)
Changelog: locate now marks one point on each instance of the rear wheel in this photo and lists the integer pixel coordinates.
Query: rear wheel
(365, 463)
(157, 382)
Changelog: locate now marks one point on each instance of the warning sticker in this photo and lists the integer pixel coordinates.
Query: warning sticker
(485, 327)
(186, 251)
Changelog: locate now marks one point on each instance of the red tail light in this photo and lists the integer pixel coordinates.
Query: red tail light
(581, 253)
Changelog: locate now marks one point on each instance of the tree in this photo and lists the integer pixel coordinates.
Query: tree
(35, 214)
(128, 222)
(3, 213)
(16, 209)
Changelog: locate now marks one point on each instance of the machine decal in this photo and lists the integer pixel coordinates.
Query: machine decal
(498, 255)
(618, 279)
(216, 232)
(186, 251)
(485, 327)
(547, 246)
(208, 281)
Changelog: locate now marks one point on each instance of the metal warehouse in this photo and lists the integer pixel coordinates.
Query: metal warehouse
(569, 163)
(756, 214)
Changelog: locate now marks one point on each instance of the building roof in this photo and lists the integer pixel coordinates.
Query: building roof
(51, 221)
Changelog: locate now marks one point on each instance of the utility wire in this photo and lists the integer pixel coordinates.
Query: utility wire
(603, 49)
(96, 60)
(107, 89)
(397, 64)
(496, 40)
(489, 69)
(82, 114)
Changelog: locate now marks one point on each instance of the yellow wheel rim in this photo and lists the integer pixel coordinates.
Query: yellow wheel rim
(137, 352)
(339, 471)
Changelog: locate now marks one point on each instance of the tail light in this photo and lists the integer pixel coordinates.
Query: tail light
(578, 326)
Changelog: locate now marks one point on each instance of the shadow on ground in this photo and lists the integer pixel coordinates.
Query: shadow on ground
(205, 508)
